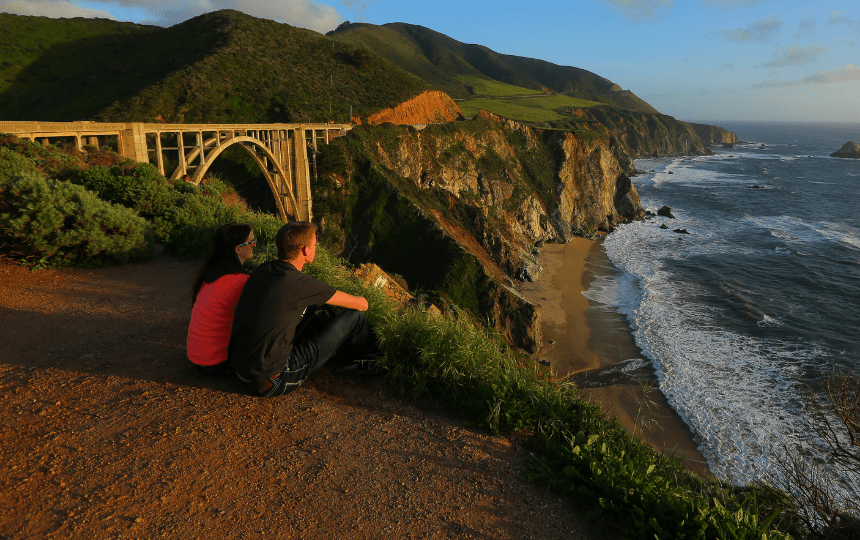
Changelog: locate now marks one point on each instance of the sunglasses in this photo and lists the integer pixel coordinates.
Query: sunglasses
(251, 243)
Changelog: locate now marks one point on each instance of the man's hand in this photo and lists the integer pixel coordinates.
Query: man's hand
(342, 299)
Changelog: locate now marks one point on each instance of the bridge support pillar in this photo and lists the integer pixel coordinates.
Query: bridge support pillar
(132, 143)
(303, 176)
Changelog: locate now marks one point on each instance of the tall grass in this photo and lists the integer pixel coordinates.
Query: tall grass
(487, 87)
(526, 109)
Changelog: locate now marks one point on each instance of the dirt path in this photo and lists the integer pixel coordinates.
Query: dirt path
(109, 433)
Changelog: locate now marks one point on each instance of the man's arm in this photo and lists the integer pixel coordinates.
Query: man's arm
(341, 299)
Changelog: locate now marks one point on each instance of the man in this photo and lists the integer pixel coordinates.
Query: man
(264, 350)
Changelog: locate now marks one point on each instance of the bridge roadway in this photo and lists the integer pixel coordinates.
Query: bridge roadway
(280, 150)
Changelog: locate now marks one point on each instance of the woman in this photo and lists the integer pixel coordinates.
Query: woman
(214, 296)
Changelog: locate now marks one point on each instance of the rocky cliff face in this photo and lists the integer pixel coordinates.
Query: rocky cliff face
(712, 135)
(646, 135)
(460, 208)
(431, 107)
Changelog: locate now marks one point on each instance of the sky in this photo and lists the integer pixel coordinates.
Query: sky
(698, 60)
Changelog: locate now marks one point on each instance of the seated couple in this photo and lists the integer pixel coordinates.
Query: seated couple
(260, 326)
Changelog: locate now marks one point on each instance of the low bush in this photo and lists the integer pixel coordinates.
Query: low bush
(183, 216)
(56, 223)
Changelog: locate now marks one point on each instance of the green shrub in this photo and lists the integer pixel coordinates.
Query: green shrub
(56, 223)
(182, 216)
(12, 163)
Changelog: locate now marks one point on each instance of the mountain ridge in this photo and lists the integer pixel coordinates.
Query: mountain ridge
(473, 59)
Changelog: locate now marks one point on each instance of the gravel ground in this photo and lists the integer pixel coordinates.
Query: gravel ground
(108, 432)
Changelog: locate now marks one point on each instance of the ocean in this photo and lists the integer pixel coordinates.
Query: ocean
(738, 318)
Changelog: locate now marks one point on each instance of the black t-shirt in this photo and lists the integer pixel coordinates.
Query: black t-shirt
(269, 309)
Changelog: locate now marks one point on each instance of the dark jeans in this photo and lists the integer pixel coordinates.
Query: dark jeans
(218, 370)
(349, 333)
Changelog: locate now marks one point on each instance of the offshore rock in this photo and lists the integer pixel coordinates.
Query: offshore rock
(849, 150)
(665, 211)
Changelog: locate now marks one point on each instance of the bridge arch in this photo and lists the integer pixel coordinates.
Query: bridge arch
(288, 211)
(280, 150)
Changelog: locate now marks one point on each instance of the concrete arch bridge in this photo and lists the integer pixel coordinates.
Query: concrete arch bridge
(280, 150)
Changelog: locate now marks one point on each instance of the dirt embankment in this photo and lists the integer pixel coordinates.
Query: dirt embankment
(109, 432)
(431, 107)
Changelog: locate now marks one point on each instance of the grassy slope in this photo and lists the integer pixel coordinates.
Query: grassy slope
(220, 67)
(436, 58)
(67, 69)
(407, 54)
(528, 109)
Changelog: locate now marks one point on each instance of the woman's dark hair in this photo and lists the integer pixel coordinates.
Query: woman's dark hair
(222, 258)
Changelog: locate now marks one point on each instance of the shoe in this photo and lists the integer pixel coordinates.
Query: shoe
(359, 367)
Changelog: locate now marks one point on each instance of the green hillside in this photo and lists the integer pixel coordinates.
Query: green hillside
(450, 65)
(223, 66)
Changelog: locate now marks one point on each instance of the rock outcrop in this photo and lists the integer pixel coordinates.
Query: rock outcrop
(458, 208)
(431, 107)
(641, 134)
(715, 135)
(849, 150)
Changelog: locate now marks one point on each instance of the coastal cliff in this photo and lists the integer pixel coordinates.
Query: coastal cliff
(462, 208)
(715, 135)
(644, 134)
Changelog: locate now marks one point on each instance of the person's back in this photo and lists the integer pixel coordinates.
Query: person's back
(214, 296)
(264, 352)
(268, 312)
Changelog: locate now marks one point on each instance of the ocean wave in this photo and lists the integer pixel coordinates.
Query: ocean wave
(794, 230)
(738, 393)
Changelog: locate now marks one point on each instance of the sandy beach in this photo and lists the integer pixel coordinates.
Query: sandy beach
(582, 341)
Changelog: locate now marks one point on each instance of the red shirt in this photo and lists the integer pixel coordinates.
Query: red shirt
(212, 319)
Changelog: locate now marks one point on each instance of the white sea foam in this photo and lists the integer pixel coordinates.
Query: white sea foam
(627, 367)
(795, 231)
(768, 321)
(739, 393)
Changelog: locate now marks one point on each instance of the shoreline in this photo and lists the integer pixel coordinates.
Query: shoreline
(588, 341)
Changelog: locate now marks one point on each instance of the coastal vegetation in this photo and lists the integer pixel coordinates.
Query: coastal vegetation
(450, 359)
(458, 68)
(538, 108)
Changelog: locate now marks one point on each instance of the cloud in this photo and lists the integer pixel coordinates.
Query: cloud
(357, 5)
(806, 25)
(833, 76)
(728, 66)
(729, 4)
(51, 8)
(760, 31)
(839, 17)
(795, 56)
(303, 13)
(827, 76)
(641, 9)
